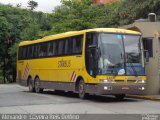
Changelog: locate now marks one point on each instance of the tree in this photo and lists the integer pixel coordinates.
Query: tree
(18, 24)
(19, 5)
(32, 4)
(5, 28)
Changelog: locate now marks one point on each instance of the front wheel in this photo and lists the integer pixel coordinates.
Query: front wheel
(82, 90)
(37, 86)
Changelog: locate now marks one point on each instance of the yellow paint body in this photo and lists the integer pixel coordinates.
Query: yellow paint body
(48, 68)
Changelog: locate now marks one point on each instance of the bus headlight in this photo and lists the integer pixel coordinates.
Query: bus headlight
(107, 81)
(141, 81)
(143, 88)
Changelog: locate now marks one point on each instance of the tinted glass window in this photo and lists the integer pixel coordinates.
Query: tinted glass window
(24, 53)
(132, 48)
(71, 50)
(91, 39)
(147, 45)
(67, 46)
(66, 49)
(43, 50)
(20, 53)
(35, 54)
(28, 52)
(55, 48)
(50, 49)
(61, 47)
(77, 44)
(32, 51)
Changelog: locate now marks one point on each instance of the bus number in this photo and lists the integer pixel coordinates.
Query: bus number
(64, 63)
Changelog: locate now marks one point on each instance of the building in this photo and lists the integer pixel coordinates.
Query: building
(104, 1)
(151, 42)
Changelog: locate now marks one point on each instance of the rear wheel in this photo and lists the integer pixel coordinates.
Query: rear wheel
(31, 85)
(37, 86)
(120, 97)
(82, 90)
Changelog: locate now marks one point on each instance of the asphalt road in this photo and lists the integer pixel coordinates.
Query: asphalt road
(17, 99)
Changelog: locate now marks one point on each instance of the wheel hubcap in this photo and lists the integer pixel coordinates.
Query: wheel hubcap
(81, 89)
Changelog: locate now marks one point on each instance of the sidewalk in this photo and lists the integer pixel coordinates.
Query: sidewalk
(146, 97)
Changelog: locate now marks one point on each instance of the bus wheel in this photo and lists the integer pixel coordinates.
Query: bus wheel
(82, 90)
(120, 97)
(37, 86)
(30, 85)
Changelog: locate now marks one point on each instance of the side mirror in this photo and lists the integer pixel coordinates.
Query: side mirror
(146, 55)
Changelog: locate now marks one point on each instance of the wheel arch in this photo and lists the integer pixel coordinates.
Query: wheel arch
(36, 77)
(28, 79)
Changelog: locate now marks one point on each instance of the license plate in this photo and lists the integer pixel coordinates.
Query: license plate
(125, 88)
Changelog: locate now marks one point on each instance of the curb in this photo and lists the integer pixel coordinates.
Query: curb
(153, 98)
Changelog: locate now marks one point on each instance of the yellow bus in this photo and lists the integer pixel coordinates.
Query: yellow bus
(100, 61)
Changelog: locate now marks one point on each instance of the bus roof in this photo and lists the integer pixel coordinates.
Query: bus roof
(72, 33)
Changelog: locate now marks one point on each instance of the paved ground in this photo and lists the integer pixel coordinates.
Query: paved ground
(17, 99)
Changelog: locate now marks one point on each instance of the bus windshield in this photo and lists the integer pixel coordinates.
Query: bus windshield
(119, 54)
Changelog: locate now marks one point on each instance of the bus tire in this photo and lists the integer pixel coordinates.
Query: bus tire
(120, 96)
(82, 90)
(30, 85)
(37, 85)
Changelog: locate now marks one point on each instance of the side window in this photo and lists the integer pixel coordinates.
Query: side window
(32, 51)
(148, 45)
(77, 44)
(50, 49)
(91, 39)
(60, 47)
(35, 54)
(28, 52)
(66, 48)
(20, 53)
(74, 45)
(43, 50)
(24, 52)
(55, 48)
(71, 50)
(38, 49)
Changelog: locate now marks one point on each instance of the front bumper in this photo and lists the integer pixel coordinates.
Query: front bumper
(112, 89)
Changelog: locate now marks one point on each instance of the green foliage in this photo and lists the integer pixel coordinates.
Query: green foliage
(31, 32)
(16, 25)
